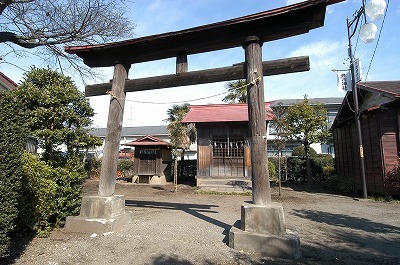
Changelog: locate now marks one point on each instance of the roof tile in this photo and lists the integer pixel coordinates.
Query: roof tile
(222, 113)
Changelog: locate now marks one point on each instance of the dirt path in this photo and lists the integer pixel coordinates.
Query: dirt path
(188, 228)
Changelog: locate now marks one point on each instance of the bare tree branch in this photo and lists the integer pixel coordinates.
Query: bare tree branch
(5, 3)
(50, 24)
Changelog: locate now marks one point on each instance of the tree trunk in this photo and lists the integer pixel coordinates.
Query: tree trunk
(279, 172)
(308, 164)
(48, 153)
(182, 167)
(176, 174)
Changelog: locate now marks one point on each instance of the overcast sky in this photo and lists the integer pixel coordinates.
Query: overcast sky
(326, 47)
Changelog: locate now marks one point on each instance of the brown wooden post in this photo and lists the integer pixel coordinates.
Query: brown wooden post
(257, 125)
(181, 64)
(113, 134)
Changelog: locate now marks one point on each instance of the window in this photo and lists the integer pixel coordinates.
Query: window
(228, 148)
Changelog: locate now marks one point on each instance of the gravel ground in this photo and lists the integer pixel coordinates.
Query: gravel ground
(186, 228)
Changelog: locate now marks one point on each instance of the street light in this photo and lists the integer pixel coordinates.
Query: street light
(375, 9)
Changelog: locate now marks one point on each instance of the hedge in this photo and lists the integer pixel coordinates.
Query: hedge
(49, 194)
(12, 144)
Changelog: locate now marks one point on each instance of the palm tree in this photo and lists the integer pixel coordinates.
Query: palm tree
(181, 135)
(177, 112)
(237, 92)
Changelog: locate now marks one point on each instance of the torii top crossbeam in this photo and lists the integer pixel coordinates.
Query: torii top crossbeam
(267, 26)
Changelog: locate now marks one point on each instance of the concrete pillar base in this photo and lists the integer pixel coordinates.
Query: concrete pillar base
(99, 215)
(263, 231)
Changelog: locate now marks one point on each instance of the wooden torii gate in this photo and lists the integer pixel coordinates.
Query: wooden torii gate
(250, 32)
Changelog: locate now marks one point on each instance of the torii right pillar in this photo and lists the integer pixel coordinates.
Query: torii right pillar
(262, 228)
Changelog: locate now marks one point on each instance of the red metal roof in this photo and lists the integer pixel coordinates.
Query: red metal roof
(222, 113)
(10, 84)
(148, 141)
(269, 25)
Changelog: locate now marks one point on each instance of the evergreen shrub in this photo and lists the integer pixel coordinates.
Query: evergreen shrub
(13, 138)
(273, 176)
(339, 183)
(49, 194)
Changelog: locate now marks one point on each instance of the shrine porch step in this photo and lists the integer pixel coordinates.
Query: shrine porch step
(224, 185)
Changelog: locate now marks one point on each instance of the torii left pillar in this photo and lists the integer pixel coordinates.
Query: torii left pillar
(106, 212)
(262, 226)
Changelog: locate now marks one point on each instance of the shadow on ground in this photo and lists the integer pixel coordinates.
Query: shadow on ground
(357, 240)
(172, 260)
(195, 210)
(318, 187)
(343, 220)
(19, 242)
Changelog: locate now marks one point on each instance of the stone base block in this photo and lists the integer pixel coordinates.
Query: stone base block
(267, 245)
(99, 215)
(266, 219)
(263, 231)
(102, 207)
(78, 224)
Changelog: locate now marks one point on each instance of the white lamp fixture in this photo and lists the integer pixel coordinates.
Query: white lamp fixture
(368, 32)
(375, 9)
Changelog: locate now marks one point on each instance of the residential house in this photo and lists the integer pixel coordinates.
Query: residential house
(379, 104)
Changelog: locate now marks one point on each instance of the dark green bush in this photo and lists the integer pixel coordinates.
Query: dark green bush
(299, 152)
(273, 176)
(69, 180)
(49, 194)
(93, 167)
(296, 168)
(39, 192)
(392, 181)
(274, 160)
(339, 183)
(124, 165)
(13, 138)
(92, 163)
(322, 165)
(187, 171)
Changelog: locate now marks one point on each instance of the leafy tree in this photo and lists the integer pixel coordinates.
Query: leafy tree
(237, 92)
(307, 124)
(58, 113)
(181, 135)
(51, 24)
